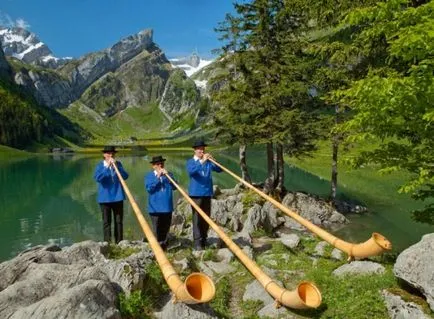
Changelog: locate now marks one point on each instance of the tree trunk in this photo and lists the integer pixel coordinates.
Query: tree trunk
(243, 164)
(269, 182)
(334, 181)
(280, 170)
(335, 149)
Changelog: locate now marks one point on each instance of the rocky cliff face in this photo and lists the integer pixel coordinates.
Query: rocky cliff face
(57, 89)
(180, 95)
(136, 83)
(91, 67)
(48, 88)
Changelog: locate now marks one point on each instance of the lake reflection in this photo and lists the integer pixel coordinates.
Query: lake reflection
(53, 200)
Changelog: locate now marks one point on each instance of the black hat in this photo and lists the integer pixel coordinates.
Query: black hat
(109, 149)
(157, 159)
(199, 143)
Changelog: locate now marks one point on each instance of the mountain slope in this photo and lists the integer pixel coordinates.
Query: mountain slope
(127, 90)
(24, 122)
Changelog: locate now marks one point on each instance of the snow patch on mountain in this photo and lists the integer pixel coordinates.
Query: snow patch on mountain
(23, 45)
(190, 64)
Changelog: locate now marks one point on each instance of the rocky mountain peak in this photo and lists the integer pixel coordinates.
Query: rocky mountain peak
(26, 46)
(131, 45)
(190, 64)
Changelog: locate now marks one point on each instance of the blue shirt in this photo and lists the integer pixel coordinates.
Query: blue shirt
(200, 177)
(109, 187)
(160, 199)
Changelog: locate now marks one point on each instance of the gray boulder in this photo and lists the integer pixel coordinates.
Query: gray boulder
(219, 213)
(272, 214)
(313, 209)
(320, 248)
(359, 268)
(255, 291)
(256, 218)
(91, 299)
(400, 309)
(76, 282)
(416, 267)
(290, 240)
(183, 311)
(271, 311)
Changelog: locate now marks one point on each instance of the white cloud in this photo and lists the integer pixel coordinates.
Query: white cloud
(7, 21)
(21, 23)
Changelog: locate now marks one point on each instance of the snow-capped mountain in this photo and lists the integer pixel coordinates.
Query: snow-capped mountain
(26, 46)
(190, 64)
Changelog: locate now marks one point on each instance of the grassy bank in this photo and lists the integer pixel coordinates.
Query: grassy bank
(350, 296)
(7, 152)
(365, 184)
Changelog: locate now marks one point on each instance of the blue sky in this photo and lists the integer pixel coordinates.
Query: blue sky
(75, 27)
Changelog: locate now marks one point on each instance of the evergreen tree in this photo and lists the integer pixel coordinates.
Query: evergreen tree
(265, 45)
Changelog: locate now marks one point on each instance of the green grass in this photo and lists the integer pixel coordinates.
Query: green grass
(137, 305)
(116, 252)
(347, 297)
(220, 303)
(251, 308)
(210, 254)
(136, 122)
(142, 303)
(249, 199)
(357, 182)
(7, 152)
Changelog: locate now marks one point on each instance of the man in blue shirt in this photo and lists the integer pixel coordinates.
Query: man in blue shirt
(110, 193)
(160, 199)
(201, 190)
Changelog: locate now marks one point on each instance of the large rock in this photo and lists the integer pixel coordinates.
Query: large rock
(313, 209)
(183, 311)
(416, 267)
(359, 268)
(91, 299)
(400, 309)
(256, 219)
(219, 212)
(255, 292)
(76, 282)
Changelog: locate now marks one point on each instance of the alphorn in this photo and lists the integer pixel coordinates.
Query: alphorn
(197, 288)
(306, 295)
(375, 245)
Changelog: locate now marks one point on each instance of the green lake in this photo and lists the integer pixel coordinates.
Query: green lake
(52, 199)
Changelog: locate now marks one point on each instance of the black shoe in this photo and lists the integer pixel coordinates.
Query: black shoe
(203, 243)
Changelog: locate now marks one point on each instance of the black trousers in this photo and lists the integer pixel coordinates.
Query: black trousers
(118, 213)
(200, 226)
(161, 225)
